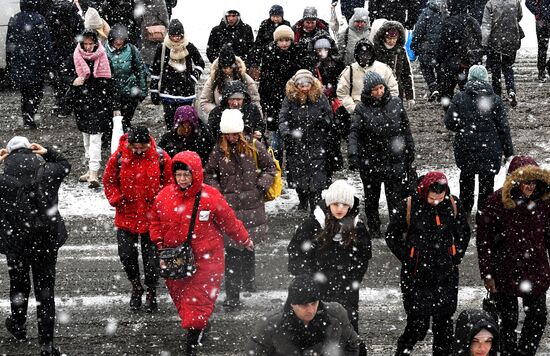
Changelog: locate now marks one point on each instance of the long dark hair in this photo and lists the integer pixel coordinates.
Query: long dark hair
(219, 80)
(333, 226)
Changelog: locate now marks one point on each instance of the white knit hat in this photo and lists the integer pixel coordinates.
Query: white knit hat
(17, 142)
(232, 121)
(340, 192)
(283, 31)
(92, 20)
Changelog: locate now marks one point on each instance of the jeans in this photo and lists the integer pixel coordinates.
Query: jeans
(92, 150)
(42, 264)
(499, 64)
(416, 329)
(128, 253)
(278, 146)
(467, 186)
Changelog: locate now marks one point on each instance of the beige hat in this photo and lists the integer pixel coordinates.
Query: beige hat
(92, 20)
(283, 31)
(303, 75)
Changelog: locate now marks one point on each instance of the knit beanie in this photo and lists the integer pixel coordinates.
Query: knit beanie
(340, 192)
(188, 114)
(310, 13)
(479, 73)
(303, 289)
(322, 43)
(92, 20)
(139, 134)
(360, 14)
(303, 75)
(227, 56)
(17, 142)
(276, 10)
(283, 31)
(175, 28)
(231, 121)
(371, 80)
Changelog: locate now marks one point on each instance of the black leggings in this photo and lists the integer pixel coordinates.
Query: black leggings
(416, 329)
(43, 278)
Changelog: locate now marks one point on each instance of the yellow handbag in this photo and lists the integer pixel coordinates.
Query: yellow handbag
(277, 186)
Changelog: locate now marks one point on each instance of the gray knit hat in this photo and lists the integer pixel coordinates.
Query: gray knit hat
(340, 192)
(371, 80)
(310, 12)
(479, 73)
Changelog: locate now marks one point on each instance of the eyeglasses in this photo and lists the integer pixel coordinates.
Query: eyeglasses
(184, 175)
(529, 182)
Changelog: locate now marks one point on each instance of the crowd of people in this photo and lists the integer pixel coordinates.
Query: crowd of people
(301, 90)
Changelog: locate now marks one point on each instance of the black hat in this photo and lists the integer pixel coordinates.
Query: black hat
(175, 28)
(303, 289)
(138, 134)
(180, 166)
(276, 10)
(227, 56)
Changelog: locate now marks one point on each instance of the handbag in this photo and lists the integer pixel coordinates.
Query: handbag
(276, 188)
(489, 305)
(179, 262)
(156, 33)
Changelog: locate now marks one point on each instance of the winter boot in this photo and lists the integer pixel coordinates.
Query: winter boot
(512, 98)
(151, 305)
(193, 341)
(50, 351)
(84, 177)
(135, 298)
(542, 76)
(93, 180)
(28, 122)
(19, 332)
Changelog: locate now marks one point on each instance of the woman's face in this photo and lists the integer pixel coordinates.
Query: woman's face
(118, 43)
(227, 71)
(176, 38)
(528, 188)
(284, 43)
(481, 346)
(378, 91)
(391, 41)
(339, 210)
(185, 129)
(232, 138)
(184, 179)
(88, 44)
(304, 87)
(435, 198)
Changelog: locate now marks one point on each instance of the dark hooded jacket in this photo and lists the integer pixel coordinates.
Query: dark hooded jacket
(65, 24)
(427, 32)
(19, 168)
(303, 37)
(468, 324)
(380, 135)
(29, 53)
(263, 38)
(479, 119)
(123, 12)
(403, 11)
(513, 234)
(252, 117)
(240, 36)
(429, 263)
(396, 58)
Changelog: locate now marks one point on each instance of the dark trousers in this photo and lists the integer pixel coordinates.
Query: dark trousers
(467, 186)
(128, 253)
(449, 79)
(371, 186)
(240, 270)
(499, 64)
(308, 198)
(533, 325)
(430, 74)
(543, 35)
(43, 278)
(128, 107)
(416, 329)
(31, 96)
(347, 296)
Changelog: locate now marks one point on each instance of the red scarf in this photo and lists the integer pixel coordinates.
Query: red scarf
(102, 68)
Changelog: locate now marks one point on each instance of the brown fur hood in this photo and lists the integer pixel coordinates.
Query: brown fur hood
(526, 173)
(241, 66)
(294, 94)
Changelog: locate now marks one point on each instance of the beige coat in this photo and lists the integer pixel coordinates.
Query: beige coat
(209, 99)
(343, 89)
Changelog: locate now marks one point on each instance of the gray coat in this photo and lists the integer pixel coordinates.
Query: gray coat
(500, 28)
(155, 14)
(271, 337)
(243, 183)
(348, 38)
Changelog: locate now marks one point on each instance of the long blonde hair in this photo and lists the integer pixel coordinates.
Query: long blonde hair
(242, 146)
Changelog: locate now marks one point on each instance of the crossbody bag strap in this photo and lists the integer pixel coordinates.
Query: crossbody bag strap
(193, 217)
(162, 54)
(350, 79)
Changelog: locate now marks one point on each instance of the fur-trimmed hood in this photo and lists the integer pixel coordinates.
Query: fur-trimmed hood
(385, 26)
(523, 169)
(294, 94)
(241, 66)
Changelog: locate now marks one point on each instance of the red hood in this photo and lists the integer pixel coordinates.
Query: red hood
(430, 178)
(521, 161)
(192, 160)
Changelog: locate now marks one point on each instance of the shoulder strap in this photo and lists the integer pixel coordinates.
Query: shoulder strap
(409, 207)
(160, 152)
(346, 38)
(162, 54)
(350, 79)
(255, 153)
(453, 203)
(193, 217)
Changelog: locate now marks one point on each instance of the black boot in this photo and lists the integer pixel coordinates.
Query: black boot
(19, 332)
(50, 351)
(151, 305)
(137, 292)
(193, 341)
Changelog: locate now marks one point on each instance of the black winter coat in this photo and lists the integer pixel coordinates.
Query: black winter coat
(539, 8)
(305, 129)
(123, 12)
(380, 136)
(176, 85)
(427, 33)
(403, 11)
(429, 271)
(65, 24)
(202, 142)
(468, 324)
(20, 167)
(240, 36)
(277, 67)
(335, 260)
(479, 119)
(263, 38)
(460, 43)
(29, 52)
(328, 70)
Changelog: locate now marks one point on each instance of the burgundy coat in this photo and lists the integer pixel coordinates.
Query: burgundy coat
(514, 232)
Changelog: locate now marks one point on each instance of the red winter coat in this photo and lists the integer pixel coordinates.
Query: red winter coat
(513, 232)
(195, 296)
(133, 186)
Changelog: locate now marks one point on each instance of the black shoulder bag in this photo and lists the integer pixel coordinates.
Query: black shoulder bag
(179, 262)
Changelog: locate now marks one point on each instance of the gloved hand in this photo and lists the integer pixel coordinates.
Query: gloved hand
(155, 98)
(410, 104)
(353, 163)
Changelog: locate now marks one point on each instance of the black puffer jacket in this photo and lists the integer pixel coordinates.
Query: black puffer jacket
(427, 32)
(123, 12)
(65, 25)
(20, 167)
(468, 324)
(200, 142)
(327, 71)
(479, 119)
(380, 136)
(263, 38)
(240, 36)
(403, 11)
(460, 43)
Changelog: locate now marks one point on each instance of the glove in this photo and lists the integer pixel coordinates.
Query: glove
(410, 104)
(353, 163)
(155, 98)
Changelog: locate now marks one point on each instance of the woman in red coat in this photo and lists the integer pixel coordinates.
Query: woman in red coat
(195, 296)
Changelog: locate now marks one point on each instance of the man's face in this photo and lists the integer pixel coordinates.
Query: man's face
(231, 18)
(118, 43)
(364, 58)
(305, 312)
(360, 25)
(139, 149)
(310, 25)
(435, 198)
(276, 19)
(378, 91)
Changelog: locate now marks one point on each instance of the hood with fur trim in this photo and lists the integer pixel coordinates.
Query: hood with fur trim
(385, 26)
(524, 168)
(241, 67)
(294, 94)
